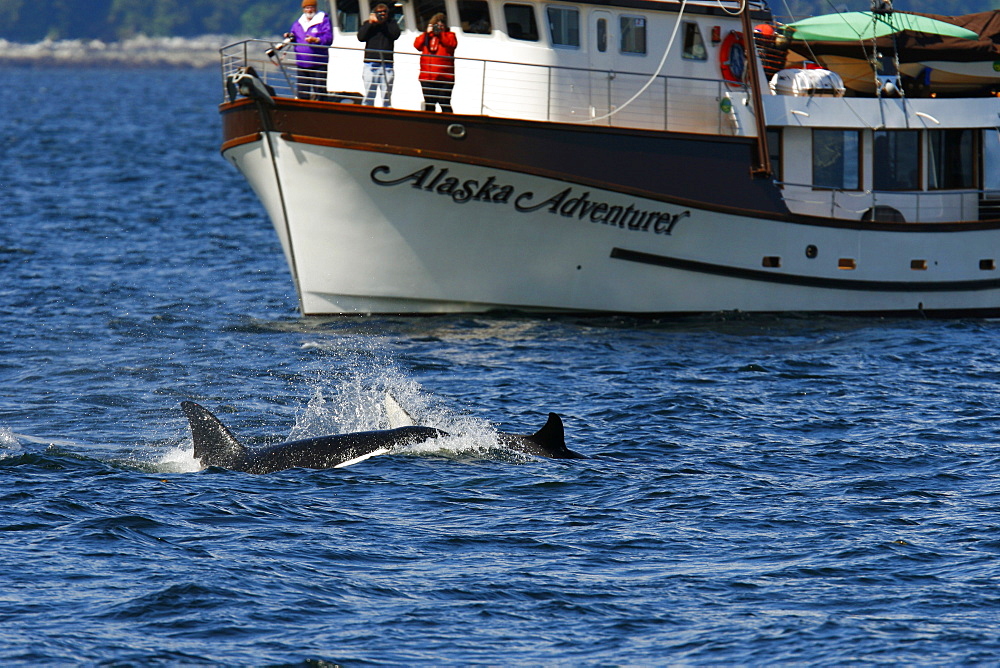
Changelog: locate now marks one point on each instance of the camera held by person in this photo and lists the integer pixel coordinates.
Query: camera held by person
(273, 51)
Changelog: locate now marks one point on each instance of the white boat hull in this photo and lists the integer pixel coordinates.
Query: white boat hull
(372, 232)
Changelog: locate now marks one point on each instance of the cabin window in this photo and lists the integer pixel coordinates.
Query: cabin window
(564, 26)
(694, 45)
(836, 159)
(896, 164)
(425, 9)
(991, 159)
(633, 34)
(520, 21)
(952, 159)
(774, 152)
(475, 17)
(602, 35)
(347, 15)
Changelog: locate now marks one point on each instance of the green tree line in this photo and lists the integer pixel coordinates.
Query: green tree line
(111, 20)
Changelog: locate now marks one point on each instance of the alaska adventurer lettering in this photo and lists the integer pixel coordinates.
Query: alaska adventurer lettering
(439, 181)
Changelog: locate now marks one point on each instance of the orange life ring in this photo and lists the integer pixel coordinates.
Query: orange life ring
(733, 57)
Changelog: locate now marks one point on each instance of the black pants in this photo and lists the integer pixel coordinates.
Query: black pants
(437, 92)
(311, 83)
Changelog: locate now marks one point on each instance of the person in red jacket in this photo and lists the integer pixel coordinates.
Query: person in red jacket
(437, 63)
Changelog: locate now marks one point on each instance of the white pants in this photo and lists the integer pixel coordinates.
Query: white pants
(378, 76)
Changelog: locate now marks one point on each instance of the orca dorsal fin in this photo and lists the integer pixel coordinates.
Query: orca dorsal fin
(551, 436)
(552, 439)
(214, 444)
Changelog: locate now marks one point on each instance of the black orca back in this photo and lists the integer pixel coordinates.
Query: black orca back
(549, 441)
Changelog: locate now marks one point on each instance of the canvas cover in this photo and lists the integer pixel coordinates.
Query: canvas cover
(920, 47)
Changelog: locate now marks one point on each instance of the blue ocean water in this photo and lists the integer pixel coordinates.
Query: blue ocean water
(761, 490)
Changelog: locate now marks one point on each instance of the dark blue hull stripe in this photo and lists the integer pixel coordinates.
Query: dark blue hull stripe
(807, 281)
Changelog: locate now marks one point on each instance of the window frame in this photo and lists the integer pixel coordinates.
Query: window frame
(625, 32)
(463, 5)
(534, 36)
(856, 152)
(687, 50)
(568, 29)
(941, 160)
(879, 183)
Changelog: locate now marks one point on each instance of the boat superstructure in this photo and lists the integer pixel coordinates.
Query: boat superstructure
(626, 157)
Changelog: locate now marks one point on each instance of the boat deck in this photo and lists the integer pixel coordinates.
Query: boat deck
(522, 91)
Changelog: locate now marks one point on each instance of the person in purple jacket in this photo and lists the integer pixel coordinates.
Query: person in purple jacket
(311, 34)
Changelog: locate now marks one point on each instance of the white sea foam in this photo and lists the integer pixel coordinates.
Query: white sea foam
(179, 459)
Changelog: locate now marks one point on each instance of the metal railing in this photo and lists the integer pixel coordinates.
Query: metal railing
(516, 90)
(914, 206)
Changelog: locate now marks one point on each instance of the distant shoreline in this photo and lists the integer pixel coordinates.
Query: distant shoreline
(182, 52)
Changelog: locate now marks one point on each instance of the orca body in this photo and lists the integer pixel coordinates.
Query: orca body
(549, 441)
(215, 445)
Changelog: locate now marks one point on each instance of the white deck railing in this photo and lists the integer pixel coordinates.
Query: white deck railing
(518, 90)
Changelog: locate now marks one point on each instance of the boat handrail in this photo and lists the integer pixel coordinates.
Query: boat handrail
(508, 89)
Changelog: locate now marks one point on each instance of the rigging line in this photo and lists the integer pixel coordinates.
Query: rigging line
(655, 74)
(857, 115)
(834, 10)
(743, 4)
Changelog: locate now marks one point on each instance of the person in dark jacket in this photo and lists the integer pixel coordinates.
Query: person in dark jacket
(312, 33)
(379, 33)
(437, 63)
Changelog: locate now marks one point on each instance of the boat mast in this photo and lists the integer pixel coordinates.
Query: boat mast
(762, 168)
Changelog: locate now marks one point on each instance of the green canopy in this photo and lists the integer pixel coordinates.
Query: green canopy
(852, 26)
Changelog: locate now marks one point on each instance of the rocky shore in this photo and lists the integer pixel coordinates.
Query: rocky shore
(141, 51)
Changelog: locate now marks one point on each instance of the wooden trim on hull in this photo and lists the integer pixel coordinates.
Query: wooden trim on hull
(805, 281)
(240, 141)
(667, 167)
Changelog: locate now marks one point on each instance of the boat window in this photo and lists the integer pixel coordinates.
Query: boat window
(564, 26)
(633, 34)
(991, 160)
(896, 164)
(474, 15)
(694, 46)
(425, 9)
(774, 152)
(602, 35)
(836, 156)
(399, 16)
(952, 159)
(520, 21)
(347, 15)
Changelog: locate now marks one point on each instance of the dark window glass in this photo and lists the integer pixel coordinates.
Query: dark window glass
(520, 21)
(602, 35)
(774, 152)
(347, 15)
(475, 17)
(896, 164)
(952, 159)
(564, 26)
(836, 159)
(633, 34)
(425, 9)
(694, 46)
